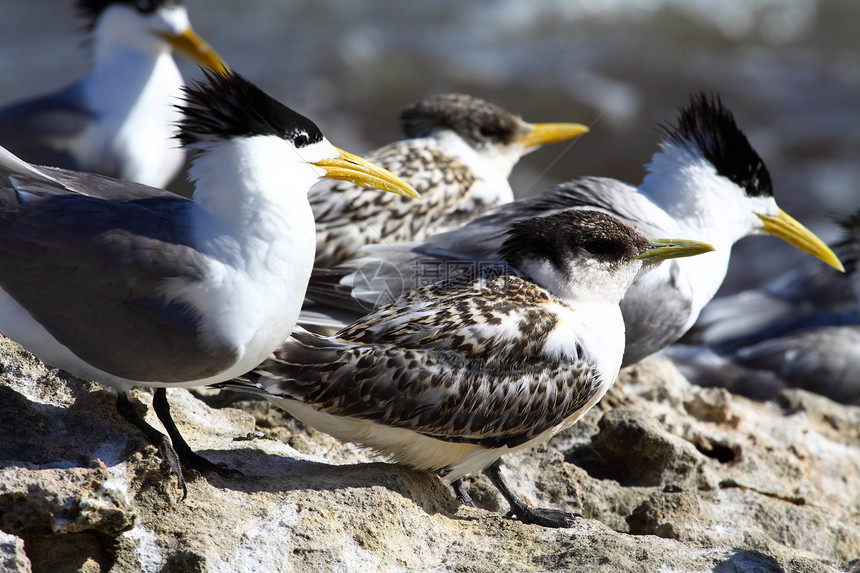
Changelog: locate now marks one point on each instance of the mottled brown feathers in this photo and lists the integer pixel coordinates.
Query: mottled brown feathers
(462, 361)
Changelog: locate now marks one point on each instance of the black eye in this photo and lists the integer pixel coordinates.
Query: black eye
(300, 140)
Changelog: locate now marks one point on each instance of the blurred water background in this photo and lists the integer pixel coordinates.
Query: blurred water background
(789, 69)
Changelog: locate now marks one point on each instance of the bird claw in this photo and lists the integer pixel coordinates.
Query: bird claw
(200, 465)
(462, 493)
(174, 465)
(545, 517)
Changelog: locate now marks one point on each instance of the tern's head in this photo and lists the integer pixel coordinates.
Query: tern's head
(709, 170)
(242, 130)
(149, 26)
(492, 131)
(580, 254)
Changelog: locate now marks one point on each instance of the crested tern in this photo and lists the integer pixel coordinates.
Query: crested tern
(458, 152)
(706, 182)
(130, 285)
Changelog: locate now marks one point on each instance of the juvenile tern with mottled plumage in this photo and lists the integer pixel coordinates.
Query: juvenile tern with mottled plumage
(134, 286)
(454, 375)
(457, 153)
(120, 119)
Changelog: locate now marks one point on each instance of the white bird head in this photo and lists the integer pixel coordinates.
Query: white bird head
(707, 168)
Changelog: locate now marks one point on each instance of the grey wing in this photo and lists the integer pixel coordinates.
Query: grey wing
(655, 316)
(93, 272)
(81, 183)
(704, 367)
(826, 361)
(384, 271)
(439, 393)
(43, 130)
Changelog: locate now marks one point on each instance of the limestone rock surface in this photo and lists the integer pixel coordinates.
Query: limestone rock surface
(668, 477)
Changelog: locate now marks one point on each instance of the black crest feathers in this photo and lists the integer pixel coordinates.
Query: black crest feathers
(92, 9)
(709, 126)
(227, 105)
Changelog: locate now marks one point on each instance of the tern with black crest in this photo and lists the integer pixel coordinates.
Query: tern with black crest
(706, 182)
(130, 285)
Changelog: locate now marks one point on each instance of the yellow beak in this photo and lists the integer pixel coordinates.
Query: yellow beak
(196, 48)
(790, 230)
(363, 173)
(662, 249)
(544, 133)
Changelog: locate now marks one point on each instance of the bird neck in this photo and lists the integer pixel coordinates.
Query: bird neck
(492, 166)
(590, 320)
(133, 94)
(124, 75)
(584, 280)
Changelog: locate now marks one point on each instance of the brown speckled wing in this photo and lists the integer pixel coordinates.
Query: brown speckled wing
(461, 362)
(348, 217)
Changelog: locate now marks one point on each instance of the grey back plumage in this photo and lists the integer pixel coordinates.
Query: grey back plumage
(87, 242)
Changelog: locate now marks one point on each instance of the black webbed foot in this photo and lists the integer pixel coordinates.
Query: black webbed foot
(523, 511)
(189, 459)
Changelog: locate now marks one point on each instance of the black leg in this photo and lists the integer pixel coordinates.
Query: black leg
(186, 455)
(460, 490)
(523, 512)
(156, 438)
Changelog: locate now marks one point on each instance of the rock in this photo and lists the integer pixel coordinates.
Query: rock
(634, 450)
(668, 476)
(12, 555)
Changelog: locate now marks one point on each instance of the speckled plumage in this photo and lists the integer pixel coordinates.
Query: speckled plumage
(461, 362)
(458, 153)
(347, 218)
(706, 182)
(455, 374)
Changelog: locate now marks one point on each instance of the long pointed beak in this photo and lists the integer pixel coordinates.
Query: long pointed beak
(196, 48)
(662, 249)
(544, 133)
(790, 230)
(363, 173)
